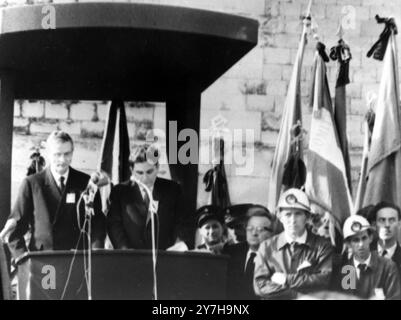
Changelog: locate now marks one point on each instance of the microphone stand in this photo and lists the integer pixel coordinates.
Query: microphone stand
(152, 211)
(89, 212)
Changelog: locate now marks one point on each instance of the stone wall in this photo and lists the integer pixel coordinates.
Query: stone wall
(251, 94)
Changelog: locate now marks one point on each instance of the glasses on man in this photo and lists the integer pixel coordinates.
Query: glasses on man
(258, 229)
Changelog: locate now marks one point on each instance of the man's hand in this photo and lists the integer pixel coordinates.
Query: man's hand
(279, 278)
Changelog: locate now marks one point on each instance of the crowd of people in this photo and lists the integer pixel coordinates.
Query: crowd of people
(271, 255)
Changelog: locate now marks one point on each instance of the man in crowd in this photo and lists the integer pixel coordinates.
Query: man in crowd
(235, 220)
(295, 261)
(365, 274)
(259, 227)
(128, 219)
(386, 218)
(210, 222)
(47, 201)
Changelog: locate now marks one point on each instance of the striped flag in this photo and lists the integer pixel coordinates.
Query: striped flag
(384, 163)
(292, 116)
(115, 149)
(326, 183)
(342, 54)
(368, 127)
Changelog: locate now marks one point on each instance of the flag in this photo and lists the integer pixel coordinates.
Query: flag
(326, 183)
(115, 151)
(216, 181)
(288, 155)
(368, 128)
(384, 162)
(342, 54)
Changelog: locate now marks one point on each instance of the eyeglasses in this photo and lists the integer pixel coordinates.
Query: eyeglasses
(258, 229)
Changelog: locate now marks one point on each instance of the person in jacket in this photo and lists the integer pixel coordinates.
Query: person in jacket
(386, 218)
(47, 205)
(128, 218)
(365, 274)
(260, 225)
(210, 222)
(295, 261)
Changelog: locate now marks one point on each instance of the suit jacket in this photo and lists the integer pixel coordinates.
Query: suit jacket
(307, 270)
(52, 220)
(238, 286)
(381, 273)
(397, 258)
(128, 225)
(5, 285)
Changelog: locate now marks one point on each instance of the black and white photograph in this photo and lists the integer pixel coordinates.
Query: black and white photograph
(224, 151)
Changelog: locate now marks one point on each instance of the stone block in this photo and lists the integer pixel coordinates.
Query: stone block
(82, 111)
(90, 129)
(33, 109)
(259, 102)
(277, 56)
(273, 71)
(43, 127)
(276, 87)
(364, 75)
(250, 66)
(226, 94)
(357, 107)
(56, 111)
(240, 120)
(72, 128)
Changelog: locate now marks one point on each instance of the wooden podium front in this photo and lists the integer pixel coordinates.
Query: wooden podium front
(122, 274)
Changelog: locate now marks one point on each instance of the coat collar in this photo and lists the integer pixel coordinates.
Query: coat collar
(374, 261)
(282, 240)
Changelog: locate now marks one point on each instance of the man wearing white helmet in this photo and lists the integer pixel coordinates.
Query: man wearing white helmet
(366, 274)
(295, 261)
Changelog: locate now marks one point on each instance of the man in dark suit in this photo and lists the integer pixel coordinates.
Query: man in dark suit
(47, 201)
(366, 274)
(259, 227)
(386, 218)
(128, 218)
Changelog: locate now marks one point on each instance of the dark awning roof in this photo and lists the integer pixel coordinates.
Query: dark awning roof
(124, 50)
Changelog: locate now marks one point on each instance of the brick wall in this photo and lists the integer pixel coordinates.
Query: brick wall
(251, 94)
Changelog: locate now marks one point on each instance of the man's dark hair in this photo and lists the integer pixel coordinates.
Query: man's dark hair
(382, 205)
(260, 211)
(367, 212)
(144, 153)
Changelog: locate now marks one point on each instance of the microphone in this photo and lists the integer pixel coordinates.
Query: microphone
(96, 180)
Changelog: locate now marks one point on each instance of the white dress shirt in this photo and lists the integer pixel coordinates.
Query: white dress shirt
(357, 263)
(390, 251)
(57, 177)
(301, 239)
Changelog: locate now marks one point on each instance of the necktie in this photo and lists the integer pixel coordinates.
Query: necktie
(145, 199)
(250, 266)
(361, 283)
(384, 253)
(62, 185)
(293, 246)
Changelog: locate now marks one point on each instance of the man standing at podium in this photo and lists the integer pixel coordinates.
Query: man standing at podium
(128, 219)
(47, 201)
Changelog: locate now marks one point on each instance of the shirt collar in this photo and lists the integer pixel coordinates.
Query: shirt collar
(140, 186)
(367, 261)
(390, 251)
(57, 176)
(283, 240)
(301, 239)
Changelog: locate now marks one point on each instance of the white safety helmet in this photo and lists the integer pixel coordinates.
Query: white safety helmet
(355, 224)
(294, 199)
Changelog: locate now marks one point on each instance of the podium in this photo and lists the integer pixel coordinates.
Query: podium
(122, 274)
